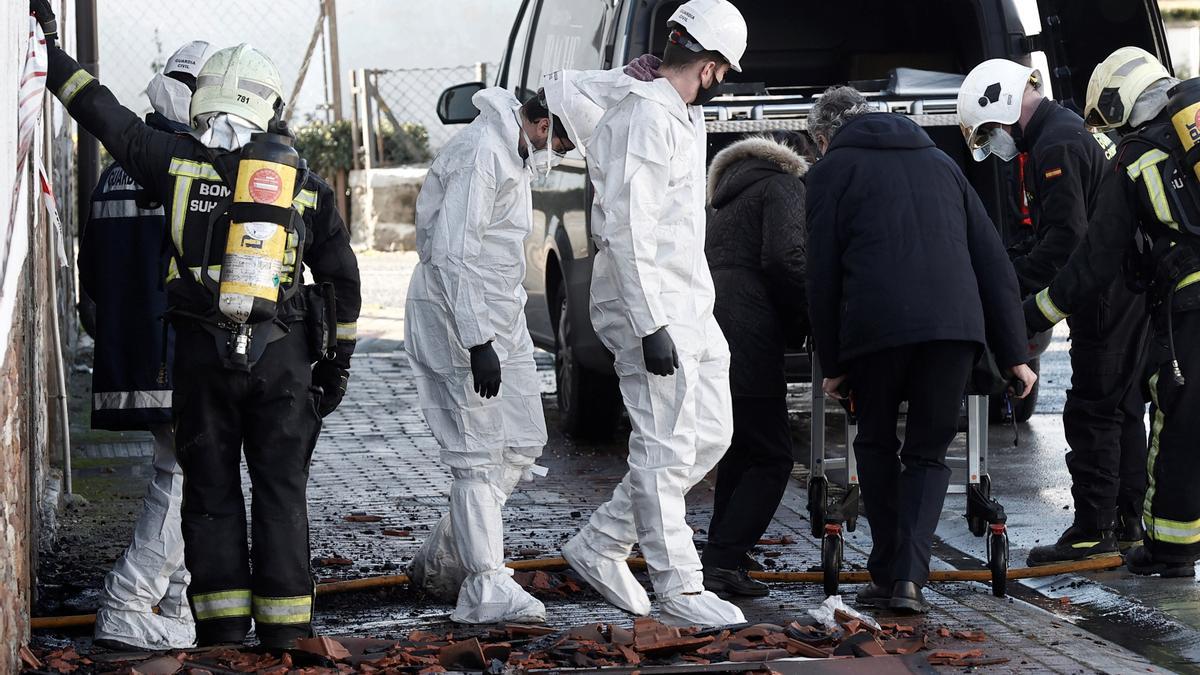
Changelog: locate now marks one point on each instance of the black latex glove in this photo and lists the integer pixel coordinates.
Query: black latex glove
(485, 369)
(40, 9)
(659, 351)
(331, 379)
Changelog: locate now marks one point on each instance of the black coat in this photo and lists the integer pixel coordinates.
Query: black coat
(755, 249)
(901, 250)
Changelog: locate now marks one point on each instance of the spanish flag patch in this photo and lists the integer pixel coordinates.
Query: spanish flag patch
(1054, 173)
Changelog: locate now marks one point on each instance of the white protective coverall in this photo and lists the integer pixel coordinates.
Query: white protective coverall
(151, 571)
(646, 161)
(473, 214)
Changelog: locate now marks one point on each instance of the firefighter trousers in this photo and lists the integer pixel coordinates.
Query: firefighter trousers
(1172, 507)
(271, 413)
(1105, 410)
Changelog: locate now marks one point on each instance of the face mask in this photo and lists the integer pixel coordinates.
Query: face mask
(169, 97)
(706, 94)
(1002, 145)
(541, 161)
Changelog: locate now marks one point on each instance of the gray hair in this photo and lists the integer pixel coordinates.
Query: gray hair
(836, 106)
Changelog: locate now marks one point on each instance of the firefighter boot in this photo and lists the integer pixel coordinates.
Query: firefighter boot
(1076, 543)
(1129, 532)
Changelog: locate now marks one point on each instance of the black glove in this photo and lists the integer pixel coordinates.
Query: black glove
(331, 379)
(40, 9)
(485, 369)
(659, 351)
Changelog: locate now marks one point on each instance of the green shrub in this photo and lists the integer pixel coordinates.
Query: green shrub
(329, 147)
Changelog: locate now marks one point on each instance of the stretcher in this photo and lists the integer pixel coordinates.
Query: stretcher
(831, 513)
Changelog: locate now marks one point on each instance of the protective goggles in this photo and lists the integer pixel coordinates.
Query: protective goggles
(979, 137)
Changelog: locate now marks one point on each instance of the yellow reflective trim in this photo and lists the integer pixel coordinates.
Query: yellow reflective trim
(172, 270)
(1190, 279)
(78, 80)
(296, 609)
(179, 202)
(1047, 307)
(306, 199)
(1149, 159)
(1173, 531)
(221, 605)
(347, 331)
(1158, 196)
(186, 167)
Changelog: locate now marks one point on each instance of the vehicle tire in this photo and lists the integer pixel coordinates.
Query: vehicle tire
(831, 562)
(589, 403)
(998, 563)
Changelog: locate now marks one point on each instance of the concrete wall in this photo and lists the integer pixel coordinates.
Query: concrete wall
(384, 208)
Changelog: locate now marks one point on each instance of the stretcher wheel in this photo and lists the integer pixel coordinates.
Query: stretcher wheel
(831, 561)
(818, 505)
(998, 562)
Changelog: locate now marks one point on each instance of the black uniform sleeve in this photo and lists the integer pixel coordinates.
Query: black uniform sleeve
(783, 252)
(997, 285)
(144, 152)
(331, 260)
(1098, 259)
(1062, 216)
(824, 270)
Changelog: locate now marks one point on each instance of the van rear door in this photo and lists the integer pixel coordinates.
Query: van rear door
(1076, 35)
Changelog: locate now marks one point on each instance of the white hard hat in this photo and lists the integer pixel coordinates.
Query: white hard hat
(577, 112)
(717, 25)
(188, 59)
(992, 93)
(239, 80)
(1116, 84)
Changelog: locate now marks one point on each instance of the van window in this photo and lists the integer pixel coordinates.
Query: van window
(818, 43)
(515, 63)
(568, 34)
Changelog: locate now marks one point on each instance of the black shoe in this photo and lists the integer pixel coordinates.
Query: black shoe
(1140, 561)
(750, 564)
(1075, 544)
(874, 595)
(907, 598)
(1129, 532)
(733, 582)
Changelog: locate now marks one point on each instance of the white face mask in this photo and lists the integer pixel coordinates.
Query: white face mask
(1002, 145)
(169, 97)
(540, 162)
(223, 131)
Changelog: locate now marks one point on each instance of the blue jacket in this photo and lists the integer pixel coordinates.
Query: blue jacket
(901, 250)
(123, 258)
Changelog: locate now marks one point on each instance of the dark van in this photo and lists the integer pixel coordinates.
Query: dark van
(897, 52)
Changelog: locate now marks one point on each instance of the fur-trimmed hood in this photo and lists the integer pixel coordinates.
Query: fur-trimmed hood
(727, 176)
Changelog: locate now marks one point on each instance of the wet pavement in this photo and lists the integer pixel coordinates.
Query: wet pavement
(376, 457)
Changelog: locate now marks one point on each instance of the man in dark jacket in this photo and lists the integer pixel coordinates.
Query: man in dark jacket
(908, 280)
(123, 259)
(755, 250)
(1103, 416)
(238, 386)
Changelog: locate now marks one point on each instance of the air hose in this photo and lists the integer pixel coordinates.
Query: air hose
(547, 564)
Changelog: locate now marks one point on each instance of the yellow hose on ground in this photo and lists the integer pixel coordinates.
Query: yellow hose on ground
(391, 581)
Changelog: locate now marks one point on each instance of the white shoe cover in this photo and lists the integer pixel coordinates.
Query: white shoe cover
(699, 609)
(144, 630)
(493, 597)
(611, 578)
(435, 570)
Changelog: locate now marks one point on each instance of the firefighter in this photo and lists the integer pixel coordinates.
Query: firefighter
(1003, 110)
(252, 383)
(1146, 221)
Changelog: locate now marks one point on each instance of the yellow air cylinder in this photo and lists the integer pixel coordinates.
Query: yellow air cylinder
(256, 246)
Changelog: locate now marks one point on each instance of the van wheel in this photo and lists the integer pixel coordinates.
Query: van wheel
(589, 403)
(1022, 409)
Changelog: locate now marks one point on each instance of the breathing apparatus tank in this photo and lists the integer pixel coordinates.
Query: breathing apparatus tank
(259, 221)
(1184, 108)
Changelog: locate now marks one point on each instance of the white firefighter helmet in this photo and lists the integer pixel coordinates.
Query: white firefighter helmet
(1116, 84)
(717, 25)
(991, 94)
(577, 112)
(239, 80)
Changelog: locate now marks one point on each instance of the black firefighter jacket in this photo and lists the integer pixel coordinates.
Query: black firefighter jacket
(178, 171)
(755, 249)
(901, 250)
(1062, 183)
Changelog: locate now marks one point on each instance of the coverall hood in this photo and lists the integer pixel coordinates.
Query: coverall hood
(500, 109)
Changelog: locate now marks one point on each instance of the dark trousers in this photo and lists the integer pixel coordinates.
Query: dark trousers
(1172, 514)
(904, 485)
(271, 414)
(1104, 414)
(751, 479)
